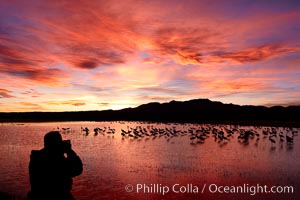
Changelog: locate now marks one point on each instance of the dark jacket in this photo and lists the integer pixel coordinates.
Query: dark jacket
(51, 174)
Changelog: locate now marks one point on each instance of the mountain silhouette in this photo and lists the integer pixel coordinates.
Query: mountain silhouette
(196, 110)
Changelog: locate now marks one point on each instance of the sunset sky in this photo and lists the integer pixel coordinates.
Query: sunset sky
(97, 55)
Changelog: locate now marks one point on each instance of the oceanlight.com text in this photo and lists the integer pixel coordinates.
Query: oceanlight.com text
(157, 188)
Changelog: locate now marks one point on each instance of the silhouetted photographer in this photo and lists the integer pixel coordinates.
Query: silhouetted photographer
(51, 169)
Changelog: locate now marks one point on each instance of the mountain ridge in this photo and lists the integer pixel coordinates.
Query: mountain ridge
(194, 110)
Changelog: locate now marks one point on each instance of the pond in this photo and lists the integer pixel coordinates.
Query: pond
(138, 160)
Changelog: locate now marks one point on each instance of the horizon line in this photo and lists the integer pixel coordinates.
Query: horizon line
(266, 106)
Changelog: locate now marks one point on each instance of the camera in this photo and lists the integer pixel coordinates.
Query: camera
(66, 145)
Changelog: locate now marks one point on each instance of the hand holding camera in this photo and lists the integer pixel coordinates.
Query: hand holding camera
(67, 145)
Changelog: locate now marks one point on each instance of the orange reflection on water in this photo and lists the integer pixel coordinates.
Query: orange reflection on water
(112, 161)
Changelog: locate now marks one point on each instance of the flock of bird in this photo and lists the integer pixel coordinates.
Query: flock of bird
(199, 133)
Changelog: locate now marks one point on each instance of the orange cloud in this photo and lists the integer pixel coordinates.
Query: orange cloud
(5, 93)
(87, 35)
(78, 104)
(186, 45)
(67, 102)
(27, 106)
(90, 35)
(162, 98)
(168, 91)
(201, 47)
(257, 54)
(239, 85)
(103, 104)
(23, 64)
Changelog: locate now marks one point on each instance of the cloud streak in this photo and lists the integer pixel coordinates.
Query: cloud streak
(5, 93)
(257, 54)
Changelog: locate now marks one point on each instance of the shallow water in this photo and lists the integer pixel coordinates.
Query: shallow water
(156, 164)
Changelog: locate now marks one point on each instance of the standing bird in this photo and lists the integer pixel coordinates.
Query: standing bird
(272, 140)
(289, 140)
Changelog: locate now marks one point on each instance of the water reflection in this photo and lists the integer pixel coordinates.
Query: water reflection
(115, 154)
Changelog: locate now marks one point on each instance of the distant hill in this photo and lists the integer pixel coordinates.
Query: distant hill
(196, 111)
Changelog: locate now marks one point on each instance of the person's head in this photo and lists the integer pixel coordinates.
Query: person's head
(53, 140)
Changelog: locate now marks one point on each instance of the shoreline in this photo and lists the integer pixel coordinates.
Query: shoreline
(287, 124)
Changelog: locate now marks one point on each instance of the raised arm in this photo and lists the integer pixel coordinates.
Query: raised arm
(74, 163)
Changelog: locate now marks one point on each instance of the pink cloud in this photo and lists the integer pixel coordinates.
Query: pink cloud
(238, 85)
(24, 64)
(32, 93)
(5, 93)
(257, 54)
(195, 46)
